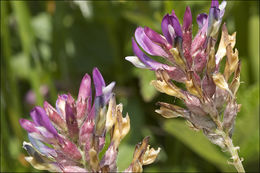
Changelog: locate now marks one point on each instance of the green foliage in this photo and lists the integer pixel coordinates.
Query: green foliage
(54, 43)
(198, 143)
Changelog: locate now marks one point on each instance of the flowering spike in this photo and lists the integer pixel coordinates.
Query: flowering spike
(196, 63)
(76, 131)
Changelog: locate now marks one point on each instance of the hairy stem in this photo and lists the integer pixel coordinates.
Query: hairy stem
(237, 162)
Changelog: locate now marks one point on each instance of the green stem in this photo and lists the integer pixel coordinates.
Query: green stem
(237, 161)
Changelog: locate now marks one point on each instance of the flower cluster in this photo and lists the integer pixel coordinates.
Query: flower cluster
(71, 138)
(195, 63)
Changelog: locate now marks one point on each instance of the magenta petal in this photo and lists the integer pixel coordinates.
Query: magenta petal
(71, 118)
(84, 97)
(29, 126)
(199, 40)
(187, 36)
(187, 19)
(194, 105)
(208, 86)
(86, 131)
(40, 118)
(85, 89)
(201, 19)
(98, 81)
(71, 150)
(176, 74)
(110, 158)
(147, 44)
(54, 116)
(200, 61)
(214, 3)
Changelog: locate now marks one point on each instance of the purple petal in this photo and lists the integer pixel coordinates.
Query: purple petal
(176, 24)
(107, 91)
(37, 132)
(98, 81)
(165, 30)
(43, 149)
(71, 120)
(202, 19)
(171, 27)
(157, 38)
(84, 97)
(216, 13)
(148, 46)
(187, 19)
(40, 118)
(214, 3)
(153, 65)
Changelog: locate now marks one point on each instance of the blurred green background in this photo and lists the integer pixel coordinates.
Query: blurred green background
(47, 47)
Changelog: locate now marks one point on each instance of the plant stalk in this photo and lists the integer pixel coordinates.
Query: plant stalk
(237, 161)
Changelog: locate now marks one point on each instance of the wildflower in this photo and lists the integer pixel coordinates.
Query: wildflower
(71, 138)
(195, 63)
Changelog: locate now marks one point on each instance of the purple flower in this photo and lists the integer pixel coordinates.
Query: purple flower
(176, 45)
(194, 62)
(76, 131)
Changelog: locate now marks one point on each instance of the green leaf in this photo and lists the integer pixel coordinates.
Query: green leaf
(253, 45)
(125, 156)
(197, 142)
(246, 133)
